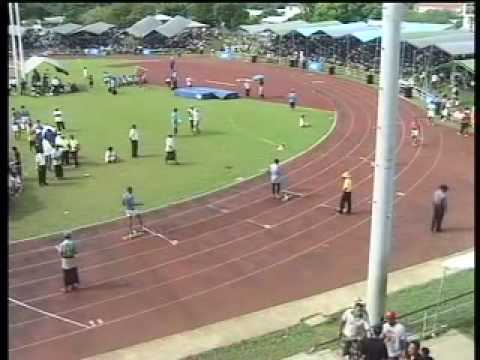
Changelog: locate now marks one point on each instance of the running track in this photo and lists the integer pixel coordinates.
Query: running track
(225, 264)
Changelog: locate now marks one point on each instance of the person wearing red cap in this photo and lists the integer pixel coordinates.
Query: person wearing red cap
(395, 336)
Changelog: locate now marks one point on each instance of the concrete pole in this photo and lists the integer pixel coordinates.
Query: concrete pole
(20, 44)
(13, 29)
(384, 180)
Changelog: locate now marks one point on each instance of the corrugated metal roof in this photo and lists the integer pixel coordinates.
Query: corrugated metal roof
(457, 48)
(174, 26)
(279, 29)
(456, 36)
(96, 28)
(468, 64)
(144, 27)
(66, 29)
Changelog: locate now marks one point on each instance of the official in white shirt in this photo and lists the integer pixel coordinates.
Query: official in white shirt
(41, 168)
(133, 136)
(58, 117)
(196, 120)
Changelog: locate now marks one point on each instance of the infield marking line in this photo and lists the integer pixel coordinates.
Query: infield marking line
(49, 314)
(217, 208)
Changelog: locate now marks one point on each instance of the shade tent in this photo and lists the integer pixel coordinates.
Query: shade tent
(144, 27)
(174, 26)
(66, 29)
(467, 64)
(457, 36)
(457, 48)
(36, 61)
(279, 29)
(97, 28)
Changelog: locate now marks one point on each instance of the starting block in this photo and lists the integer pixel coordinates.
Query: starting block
(287, 195)
(134, 235)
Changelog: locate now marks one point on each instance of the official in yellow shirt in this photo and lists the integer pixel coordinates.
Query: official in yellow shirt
(347, 194)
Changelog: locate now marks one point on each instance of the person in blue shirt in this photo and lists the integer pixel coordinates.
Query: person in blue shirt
(130, 203)
(175, 121)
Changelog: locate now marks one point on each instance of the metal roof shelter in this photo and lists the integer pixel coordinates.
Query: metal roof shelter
(66, 29)
(144, 27)
(457, 48)
(97, 28)
(454, 36)
(174, 26)
(467, 64)
(279, 29)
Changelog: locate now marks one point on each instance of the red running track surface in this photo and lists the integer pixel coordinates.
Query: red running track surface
(225, 265)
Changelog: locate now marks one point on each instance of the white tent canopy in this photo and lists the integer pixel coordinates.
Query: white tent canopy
(36, 61)
(460, 262)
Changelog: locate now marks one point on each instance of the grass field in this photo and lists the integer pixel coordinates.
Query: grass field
(237, 141)
(302, 337)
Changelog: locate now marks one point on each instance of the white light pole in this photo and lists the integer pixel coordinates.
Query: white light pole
(20, 45)
(13, 30)
(384, 180)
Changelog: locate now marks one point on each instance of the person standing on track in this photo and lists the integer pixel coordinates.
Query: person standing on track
(347, 193)
(439, 207)
(260, 88)
(275, 178)
(68, 250)
(246, 86)
(133, 136)
(128, 200)
(292, 99)
(415, 132)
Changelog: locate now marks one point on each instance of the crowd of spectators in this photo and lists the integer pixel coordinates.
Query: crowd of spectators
(388, 339)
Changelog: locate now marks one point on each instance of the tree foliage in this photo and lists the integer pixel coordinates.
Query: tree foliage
(431, 16)
(204, 13)
(231, 15)
(346, 12)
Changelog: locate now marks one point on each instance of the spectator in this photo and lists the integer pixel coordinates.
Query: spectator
(17, 161)
(110, 156)
(57, 162)
(73, 147)
(353, 326)
(395, 336)
(374, 348)
(41, 168)
(170, 150)
(58, 118)
(413, 351)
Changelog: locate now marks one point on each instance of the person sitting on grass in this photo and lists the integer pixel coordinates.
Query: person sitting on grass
(302, 122)
(170, 150)
(110, 156)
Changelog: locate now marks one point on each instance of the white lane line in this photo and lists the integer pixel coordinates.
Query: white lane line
(218, 208)
(151, 232)
(46, 313)
(220, 83)
(258, 224)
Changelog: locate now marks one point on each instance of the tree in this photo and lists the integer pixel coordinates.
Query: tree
(231, 14)
(432, 16)
(174, 9)
(346, 12)
(204, 13)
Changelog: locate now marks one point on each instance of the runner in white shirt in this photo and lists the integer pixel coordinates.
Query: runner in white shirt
(188, 80)
(395, 336)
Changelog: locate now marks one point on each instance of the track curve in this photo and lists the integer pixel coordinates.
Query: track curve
(223, 261)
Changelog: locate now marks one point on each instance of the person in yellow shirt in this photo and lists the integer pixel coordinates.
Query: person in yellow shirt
(347, 194)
